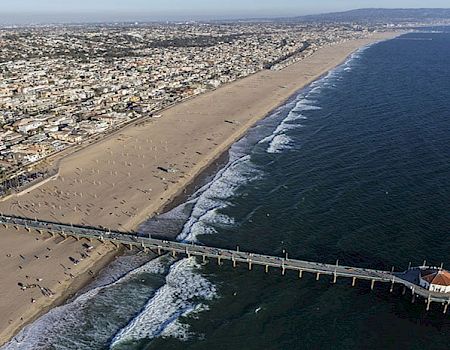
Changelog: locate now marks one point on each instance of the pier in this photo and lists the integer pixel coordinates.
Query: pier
(408, 279)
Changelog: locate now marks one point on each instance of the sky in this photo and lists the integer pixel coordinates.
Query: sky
(67, 10)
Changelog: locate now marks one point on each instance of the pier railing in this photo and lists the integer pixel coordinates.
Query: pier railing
(235, 256)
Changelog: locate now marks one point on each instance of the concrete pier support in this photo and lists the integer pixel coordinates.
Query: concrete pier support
(428, 303)
(445, 308)
(334, 277)
(300, 273)
(267, 268)
(283, 270)
(219, 260)
(392, 286)
(174, 253)
(353, 281)
(204, 258)
(372, 284)
(234, 263)
(250, 265)
(159, 250)
(317, 276)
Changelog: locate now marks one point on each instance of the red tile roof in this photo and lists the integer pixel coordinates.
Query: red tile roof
(438, 277)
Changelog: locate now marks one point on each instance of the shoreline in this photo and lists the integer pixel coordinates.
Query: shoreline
(203, 168)
(81, 281)
(222, 151)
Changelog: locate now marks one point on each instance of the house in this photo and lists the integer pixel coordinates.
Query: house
(435, 280)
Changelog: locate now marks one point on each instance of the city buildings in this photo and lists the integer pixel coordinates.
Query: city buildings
(61, 85)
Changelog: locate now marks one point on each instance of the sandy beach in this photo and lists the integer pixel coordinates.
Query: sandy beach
(130, 176)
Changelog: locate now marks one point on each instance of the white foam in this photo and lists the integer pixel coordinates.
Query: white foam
(179, 296)
(304, 107)
(292, 116)
(279, 143)
(177, 330)
(284, 126)
(305, 104)
(214, 197)
(278, 140)
(45, 331)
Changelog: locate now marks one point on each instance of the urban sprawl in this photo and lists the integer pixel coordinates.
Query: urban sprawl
(63, 85)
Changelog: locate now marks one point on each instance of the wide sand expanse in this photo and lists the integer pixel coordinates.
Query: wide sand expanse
(129, 176)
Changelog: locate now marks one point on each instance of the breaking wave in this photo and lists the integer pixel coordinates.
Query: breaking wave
(214, 196)
(279, 143)
(185, 290)
(146, 311)
(177, 297)
(54, 327)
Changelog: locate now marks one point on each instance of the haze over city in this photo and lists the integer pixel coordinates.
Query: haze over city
(30, 11)
(242, 174)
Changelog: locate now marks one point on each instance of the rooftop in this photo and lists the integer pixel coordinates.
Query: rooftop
(436, 276)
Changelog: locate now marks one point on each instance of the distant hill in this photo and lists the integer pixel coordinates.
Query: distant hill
(380, 15)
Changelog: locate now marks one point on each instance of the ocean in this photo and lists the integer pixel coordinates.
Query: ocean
(355, 168)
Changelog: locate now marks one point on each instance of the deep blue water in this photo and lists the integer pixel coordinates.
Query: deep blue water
(356, 167)
(365, 180)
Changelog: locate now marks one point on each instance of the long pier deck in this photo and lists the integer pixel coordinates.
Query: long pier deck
(407, 278)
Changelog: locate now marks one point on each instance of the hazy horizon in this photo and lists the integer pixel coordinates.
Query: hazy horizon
(54, 11)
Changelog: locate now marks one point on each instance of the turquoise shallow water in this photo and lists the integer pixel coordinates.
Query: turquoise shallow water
(356, 168)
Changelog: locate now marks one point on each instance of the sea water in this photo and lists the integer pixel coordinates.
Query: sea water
(355, 168)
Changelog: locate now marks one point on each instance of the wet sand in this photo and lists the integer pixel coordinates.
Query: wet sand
(132, 175)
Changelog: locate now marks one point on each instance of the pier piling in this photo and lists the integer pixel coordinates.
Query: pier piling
(130, 239)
